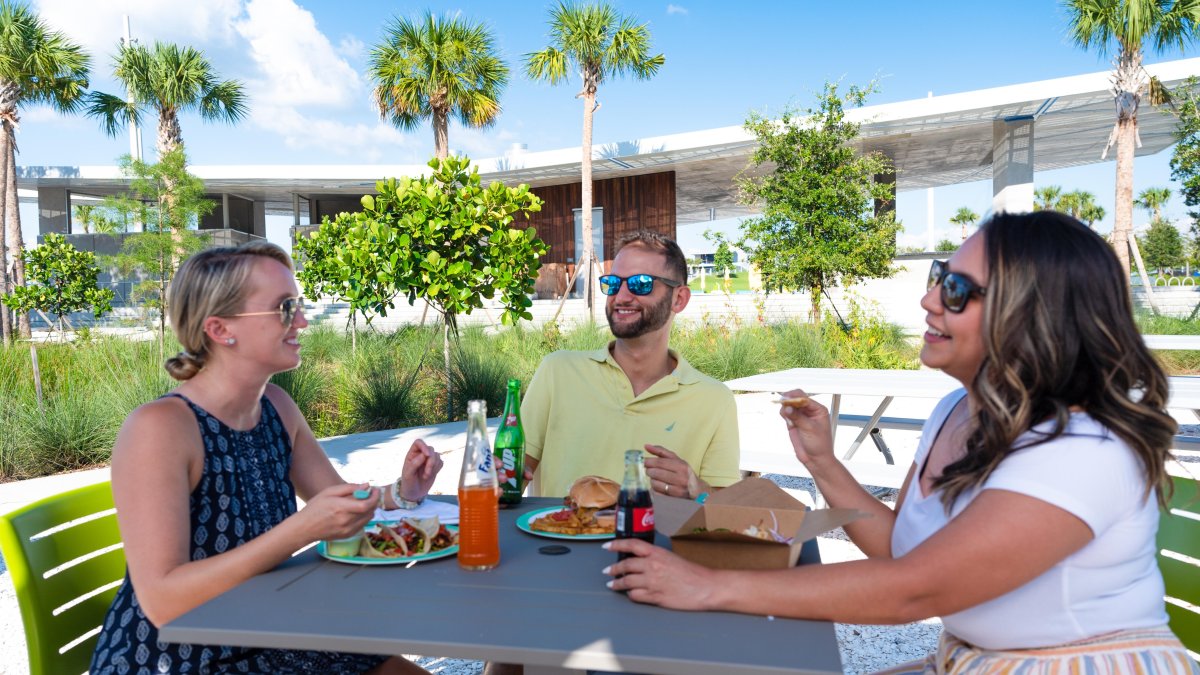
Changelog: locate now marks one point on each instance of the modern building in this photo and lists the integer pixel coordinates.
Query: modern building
(1005, 134)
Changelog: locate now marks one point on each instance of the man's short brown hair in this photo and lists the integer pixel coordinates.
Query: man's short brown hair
(676, 261)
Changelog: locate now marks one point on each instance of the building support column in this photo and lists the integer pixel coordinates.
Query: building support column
(54, 210)
(1012, 165)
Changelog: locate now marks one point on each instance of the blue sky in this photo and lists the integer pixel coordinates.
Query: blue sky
(303, 63)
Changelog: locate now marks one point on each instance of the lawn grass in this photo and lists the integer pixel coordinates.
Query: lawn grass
(716, 284)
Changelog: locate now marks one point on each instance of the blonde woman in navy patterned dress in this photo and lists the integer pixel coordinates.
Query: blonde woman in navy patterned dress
(205, 479)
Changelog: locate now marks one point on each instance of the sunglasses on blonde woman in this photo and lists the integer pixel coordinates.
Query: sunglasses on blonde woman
(287, 311)
(957, 288)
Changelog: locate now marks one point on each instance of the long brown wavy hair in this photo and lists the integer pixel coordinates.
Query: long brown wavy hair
(1058, 332)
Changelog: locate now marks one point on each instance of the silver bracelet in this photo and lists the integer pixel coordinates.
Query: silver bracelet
(401, 502)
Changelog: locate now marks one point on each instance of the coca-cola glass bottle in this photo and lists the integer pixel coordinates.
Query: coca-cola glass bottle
(478, 498)
(635, 511)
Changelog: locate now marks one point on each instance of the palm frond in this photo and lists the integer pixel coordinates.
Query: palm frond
(224, 101)
(113, 113)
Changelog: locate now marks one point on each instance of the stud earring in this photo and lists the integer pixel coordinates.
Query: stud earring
(230, 342)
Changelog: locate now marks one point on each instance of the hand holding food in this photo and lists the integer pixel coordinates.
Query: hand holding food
(808, 427)
(335, 512)
(585, 511)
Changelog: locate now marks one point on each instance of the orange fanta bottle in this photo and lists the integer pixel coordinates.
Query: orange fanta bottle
(478, 496)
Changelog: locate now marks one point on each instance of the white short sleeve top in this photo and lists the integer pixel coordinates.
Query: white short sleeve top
(1112, 583)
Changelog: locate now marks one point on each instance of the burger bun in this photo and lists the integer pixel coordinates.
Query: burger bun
(594, 492)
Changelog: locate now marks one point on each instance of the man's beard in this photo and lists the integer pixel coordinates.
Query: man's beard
(652, 318)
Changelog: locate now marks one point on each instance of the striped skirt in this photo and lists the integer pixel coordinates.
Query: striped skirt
(1150, 651)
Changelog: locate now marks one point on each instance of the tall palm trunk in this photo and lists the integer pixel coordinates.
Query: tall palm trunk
(12, 222)
(5, 314)
(587, 255)
(1127, 85)
(1123, 226)
(170, 137)
(441, 133)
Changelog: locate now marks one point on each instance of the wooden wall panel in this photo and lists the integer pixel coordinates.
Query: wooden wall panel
(630, 203)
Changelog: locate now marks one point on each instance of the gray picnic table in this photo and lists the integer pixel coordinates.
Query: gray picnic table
(552, 613)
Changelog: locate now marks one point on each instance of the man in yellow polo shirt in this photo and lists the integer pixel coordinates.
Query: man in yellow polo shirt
(583, 410)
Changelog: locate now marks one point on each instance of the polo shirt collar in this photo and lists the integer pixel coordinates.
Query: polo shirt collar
(684, 372)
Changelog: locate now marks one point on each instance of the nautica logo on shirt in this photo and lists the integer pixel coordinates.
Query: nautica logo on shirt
(671, 427)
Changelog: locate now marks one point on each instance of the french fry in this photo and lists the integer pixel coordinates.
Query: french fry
(797, 402)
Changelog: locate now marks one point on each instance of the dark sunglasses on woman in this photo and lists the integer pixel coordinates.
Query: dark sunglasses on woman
(638, 284)
(288, 309)
(957, 288)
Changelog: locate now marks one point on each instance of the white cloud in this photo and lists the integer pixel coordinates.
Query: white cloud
(99, 26)
(676, 9)
(352, 48)
(297, 64)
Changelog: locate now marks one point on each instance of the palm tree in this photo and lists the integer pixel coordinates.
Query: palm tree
(435, 68)
(1092, 212)
(594, 41)
(1125, 27)
(1047, 197)
(167, 80)
(1153, 199)
(37, 65)
(964, 217)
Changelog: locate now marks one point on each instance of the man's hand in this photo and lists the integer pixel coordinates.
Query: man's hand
(672, 476)
(421, 466)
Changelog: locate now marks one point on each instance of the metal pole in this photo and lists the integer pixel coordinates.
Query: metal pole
(135, 133)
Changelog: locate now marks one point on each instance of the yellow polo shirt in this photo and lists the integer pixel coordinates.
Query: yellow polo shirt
(580, 416)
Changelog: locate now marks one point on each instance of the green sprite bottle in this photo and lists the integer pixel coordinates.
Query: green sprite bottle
(510, 448)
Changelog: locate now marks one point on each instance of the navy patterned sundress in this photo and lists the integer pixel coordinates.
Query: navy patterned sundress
(243, 491)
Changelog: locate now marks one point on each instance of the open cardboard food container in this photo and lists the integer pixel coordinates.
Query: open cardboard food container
(712, 534)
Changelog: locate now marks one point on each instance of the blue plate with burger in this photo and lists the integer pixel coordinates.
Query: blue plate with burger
(587, 512)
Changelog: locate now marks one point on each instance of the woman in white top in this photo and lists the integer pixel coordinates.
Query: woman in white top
(1029, 516)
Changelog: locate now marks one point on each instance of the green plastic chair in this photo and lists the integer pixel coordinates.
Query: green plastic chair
(1179, 535)
(61, 550)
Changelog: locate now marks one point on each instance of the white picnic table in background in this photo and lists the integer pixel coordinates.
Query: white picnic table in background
(766, 448)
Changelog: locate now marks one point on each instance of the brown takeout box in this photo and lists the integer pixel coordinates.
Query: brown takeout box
(751, 501)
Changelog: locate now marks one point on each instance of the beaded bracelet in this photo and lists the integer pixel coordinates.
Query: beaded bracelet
(401, 502)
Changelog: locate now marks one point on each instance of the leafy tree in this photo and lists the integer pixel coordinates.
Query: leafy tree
(168, 202)
(1046, 197)
(1126, 27)
(723, 256)
(946, 246)
(1091, 212)
(596, 42)
(42, 67)
(434, 68)
(818, 225)
(444, 238)
(62, 280)
(1162, 245)
(166, 80)
(1185, 160)
(1077, 203)
(964, 217)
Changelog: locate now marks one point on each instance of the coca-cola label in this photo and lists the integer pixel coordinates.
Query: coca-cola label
(643, 519)
(511, 420)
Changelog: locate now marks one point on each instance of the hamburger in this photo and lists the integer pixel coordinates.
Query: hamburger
(588, 509)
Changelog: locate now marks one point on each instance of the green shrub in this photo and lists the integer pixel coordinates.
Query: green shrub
(392, 380)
